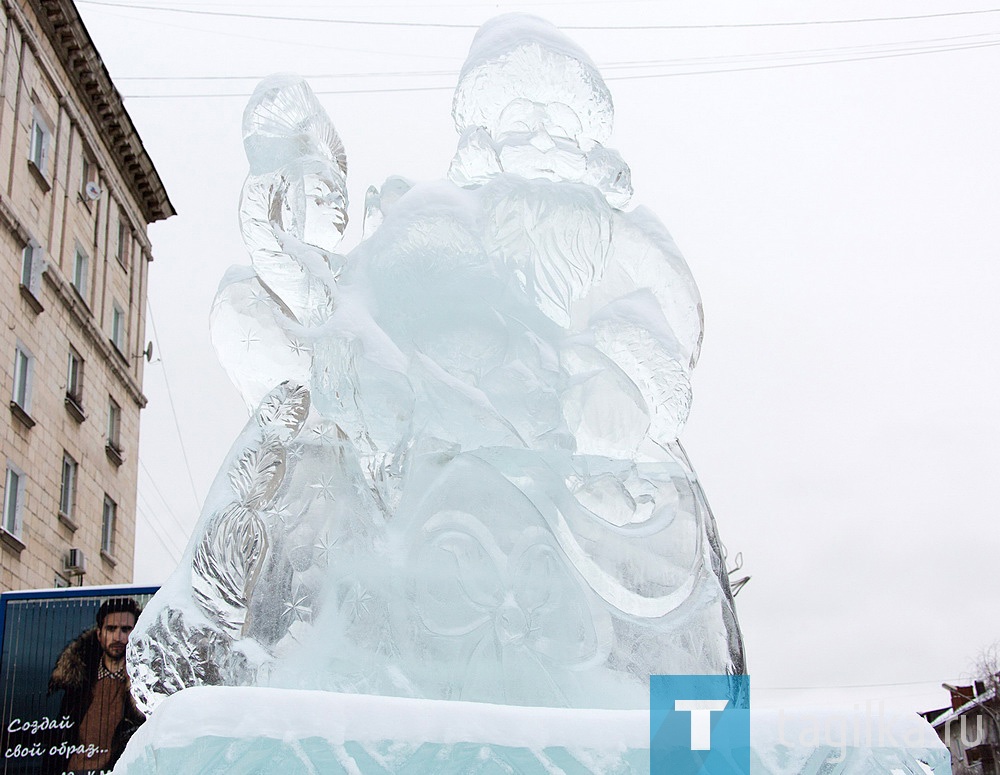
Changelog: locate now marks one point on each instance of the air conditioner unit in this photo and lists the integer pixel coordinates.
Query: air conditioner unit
(75, 563)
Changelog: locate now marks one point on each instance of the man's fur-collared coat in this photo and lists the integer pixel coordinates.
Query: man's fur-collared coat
(75, 674)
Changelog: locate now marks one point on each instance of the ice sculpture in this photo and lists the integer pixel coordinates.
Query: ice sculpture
(304, 733)
(461, 479)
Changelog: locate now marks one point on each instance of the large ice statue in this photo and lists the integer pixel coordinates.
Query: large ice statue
(462, 478)
(458, 533)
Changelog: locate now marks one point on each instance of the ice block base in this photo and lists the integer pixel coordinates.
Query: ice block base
(208, 730)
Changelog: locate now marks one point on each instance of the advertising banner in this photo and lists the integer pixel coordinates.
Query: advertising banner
(66, 706)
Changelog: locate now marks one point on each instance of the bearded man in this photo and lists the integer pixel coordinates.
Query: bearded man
(97, 698)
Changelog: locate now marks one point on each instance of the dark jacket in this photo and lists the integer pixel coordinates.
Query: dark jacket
(75, 674)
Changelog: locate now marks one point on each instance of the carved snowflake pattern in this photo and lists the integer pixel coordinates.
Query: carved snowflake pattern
(325, 488)
(249, 339)
(298, 609)
(326, 433)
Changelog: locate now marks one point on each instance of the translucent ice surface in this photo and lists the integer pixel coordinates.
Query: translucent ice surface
(202, 731)
(304, 733)
(461, 478)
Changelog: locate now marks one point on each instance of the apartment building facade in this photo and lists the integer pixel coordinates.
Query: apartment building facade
(77, 192)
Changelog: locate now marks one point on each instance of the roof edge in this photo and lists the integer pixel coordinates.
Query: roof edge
(62, 23)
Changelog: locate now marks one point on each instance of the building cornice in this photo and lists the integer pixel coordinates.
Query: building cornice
(75, 49)
(12, 222)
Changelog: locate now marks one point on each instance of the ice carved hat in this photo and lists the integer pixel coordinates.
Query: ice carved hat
(516, 56)
(284, 122)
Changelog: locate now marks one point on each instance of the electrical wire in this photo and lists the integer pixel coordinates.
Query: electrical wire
(849, 686)
(870, 57)
(150, 513)
(181, 527)
(599, 28)
(902, 45)
(381, 74)
(173, 409)
(272, 41)
(423, 6)
(603, 66)
(174, 556)
(244, 95)
(686, 73)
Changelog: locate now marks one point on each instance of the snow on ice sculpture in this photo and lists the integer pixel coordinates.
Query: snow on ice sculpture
(461, 479)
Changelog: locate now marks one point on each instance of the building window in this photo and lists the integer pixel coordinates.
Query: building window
(114, 445)
(67, 490)
(13, 500)
(23, 368)
(117, 327)
(89, 188)
(108, 526)
(74, 377)
(124, 237)
(85, 178)
(114, 423)
(81, 269)
(41, 137)
(32, 267)
(74, 385)
(27, 262)
(30, 259)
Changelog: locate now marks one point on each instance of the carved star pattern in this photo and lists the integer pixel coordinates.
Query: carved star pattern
(357, 603)
(283, 517)
(297, 347)
(324, 546)
(298, 609)
(258, 298)
(249, 338)
(325, 488)
(325, 433)
(279, 513)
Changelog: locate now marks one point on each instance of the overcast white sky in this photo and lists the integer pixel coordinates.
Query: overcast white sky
(841, 221)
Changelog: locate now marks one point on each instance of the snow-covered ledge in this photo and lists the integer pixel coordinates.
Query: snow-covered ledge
(213, 729)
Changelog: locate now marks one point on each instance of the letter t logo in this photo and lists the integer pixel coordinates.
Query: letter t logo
(701, 720)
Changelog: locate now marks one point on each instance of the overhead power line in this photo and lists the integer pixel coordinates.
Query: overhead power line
(379, 74)
(143, 506)
(153, 523)
(173, 409)
(181, 529)
(935, 682)
(608, 27)
(890, 47)
(679, 74)
(272, 40)
(409, 6)
(784, 65)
